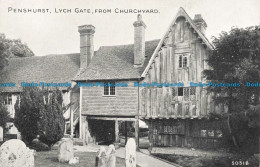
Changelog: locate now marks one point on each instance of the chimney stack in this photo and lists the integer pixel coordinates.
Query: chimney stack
(200, 23)
(139, 41)
(86, 44)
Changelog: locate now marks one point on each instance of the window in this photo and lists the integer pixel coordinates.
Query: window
(109, 89)
(8, 99)
(183, 61)
(180, 91)
(184, 93)
(180, 61)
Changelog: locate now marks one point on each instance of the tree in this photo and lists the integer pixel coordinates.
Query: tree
(4, 115)
(27, 113)
(12, 48)
(236, 59)
(40, 112)
(52, 123)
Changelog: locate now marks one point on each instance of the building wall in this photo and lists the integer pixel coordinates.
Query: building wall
(195, 133)
(165, 102)
(123, 103)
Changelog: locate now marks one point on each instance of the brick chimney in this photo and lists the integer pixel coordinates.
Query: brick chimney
(139, 41)
(86, 44)
(200, 23)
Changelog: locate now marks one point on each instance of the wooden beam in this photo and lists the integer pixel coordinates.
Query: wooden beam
(125, 132)
(84, 136)
(137, 132)
(112, 118)
(71, 123)
(116, 131)
(80, 110)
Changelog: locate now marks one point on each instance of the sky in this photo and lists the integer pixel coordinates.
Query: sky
(57, 33)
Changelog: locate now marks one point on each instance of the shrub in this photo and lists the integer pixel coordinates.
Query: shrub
(40, 113)
(4, 115)
(52, 123)
(39, 146)
(27, 113)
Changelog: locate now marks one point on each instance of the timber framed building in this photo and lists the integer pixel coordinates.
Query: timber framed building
(175, 115)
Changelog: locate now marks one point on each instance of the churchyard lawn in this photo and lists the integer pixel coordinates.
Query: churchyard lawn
(87, 159)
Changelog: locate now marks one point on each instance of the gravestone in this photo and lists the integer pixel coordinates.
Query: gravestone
(14, 153)
(1, 134)
(130, 153)
(101, 157)
(66, 152)
(106, 158)
(74, 161)
(111, 157)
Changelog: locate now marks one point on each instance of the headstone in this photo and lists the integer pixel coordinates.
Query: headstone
(65, 152)
(106, 158)
(1, 134)
(74, 160)
(101, 157)
(111, 157)
(14, 153)
(130, 153)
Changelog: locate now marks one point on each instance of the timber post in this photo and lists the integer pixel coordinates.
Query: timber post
(116, 131)
(137, 132)
(71, 123)
(80, 111)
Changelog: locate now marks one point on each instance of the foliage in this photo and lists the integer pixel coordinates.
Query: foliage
(27, 113)
(39, 146)
(52, 123)
(4, 115)
(40, 113)
(236, 59)
(12, 48)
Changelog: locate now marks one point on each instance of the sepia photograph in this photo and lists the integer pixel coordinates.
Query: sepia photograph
(129, 83)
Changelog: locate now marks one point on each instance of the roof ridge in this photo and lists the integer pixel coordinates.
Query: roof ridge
(127, 44)
(49, 55)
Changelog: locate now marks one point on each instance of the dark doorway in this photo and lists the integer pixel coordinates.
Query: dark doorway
(103, 131)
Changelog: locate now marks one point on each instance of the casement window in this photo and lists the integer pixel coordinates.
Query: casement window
(184, 93)
(109, 89)
(8, 99)
(183, 61)
(211, 133)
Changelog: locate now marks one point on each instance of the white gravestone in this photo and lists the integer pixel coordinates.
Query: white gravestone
(111, 157)
(1, 134)
(66, 152)
(74, 161)
(101, 157)
(14, 153)
(130, 153)
(106, 158)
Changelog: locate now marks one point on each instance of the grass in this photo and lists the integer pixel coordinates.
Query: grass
(87, 159)
(198, 161)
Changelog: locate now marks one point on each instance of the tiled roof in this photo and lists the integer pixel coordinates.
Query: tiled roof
(116, 62)
(51, 68)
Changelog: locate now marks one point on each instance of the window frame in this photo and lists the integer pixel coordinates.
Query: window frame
(109, 88)
(176, 96)
(183, 60)
(8, 99)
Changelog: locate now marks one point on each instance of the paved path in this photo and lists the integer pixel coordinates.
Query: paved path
(143, 159)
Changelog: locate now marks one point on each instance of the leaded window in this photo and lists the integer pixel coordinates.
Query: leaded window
(184, 93)
(183, 61)
(109, 89)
